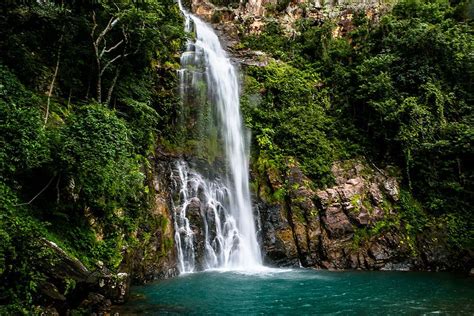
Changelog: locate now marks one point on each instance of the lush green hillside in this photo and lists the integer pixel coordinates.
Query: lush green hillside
(85, 92)
(397, 91)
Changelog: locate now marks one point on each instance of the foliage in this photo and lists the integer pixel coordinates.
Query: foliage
(288, 118)
(21, 248)
(23, 143)
(76, 173)
(398, 91)
(96, 156)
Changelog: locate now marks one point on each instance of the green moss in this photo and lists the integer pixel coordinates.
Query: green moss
(167, 246)
(367, 204)
(279, 195)
(361, 236)
(356, 202)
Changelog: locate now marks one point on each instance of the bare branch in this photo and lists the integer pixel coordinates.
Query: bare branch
(39, 193)
(109, 63)
(109, 26)
(95, 24)
(56, 69)
(111, 48)
(112, 86)
(103, 49)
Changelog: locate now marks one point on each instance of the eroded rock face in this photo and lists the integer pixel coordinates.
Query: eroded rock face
(251, 16)
(325, 228)
(355, 224)
(155, 257)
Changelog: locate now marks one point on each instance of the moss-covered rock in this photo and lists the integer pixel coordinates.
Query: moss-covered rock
(359, 223)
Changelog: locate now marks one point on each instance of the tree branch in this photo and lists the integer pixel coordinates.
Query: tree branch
(109, 26)
(95, 24)
(109, 63)
(112, 86)
(110, 49)
(39, 193)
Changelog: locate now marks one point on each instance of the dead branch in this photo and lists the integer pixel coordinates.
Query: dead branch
(39, 193)
(56, 69)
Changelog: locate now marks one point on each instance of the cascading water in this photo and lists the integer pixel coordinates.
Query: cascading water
(223, 206)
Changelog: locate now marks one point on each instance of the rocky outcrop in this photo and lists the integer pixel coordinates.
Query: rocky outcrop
(251, 17)
(155, 257)
(242, 18)
(69, 285)
(354, 224)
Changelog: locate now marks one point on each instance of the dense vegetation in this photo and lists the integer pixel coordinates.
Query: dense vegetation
(84, 91)
(87, 92)
(397, 91)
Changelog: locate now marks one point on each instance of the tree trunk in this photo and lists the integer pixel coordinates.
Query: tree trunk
(56, 69)
(112, 86)
(99, 82)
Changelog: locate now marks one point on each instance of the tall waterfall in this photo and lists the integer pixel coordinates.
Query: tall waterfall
(214, 219)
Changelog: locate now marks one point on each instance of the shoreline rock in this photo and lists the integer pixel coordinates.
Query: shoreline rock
(354, 224)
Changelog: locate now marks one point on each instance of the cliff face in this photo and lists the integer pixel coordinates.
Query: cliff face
(363, 220)
(155, 256)
(355, 224)
(251, 16)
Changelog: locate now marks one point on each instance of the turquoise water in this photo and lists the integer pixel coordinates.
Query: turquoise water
(305, 292)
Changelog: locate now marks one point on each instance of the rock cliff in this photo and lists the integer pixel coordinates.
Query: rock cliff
(355, 224)
(251, 16)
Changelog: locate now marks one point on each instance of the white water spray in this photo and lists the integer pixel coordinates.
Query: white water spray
(230, 240)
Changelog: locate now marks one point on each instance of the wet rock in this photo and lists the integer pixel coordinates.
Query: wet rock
(154, 257)
(319, 228)
(378, 252)
(193, 212)
(401, 266)
(51, 291)
(118, 287)
(277, 237)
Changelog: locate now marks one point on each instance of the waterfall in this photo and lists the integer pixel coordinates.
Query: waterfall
(218, 211)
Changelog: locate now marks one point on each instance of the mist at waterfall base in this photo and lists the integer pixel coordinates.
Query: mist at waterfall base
(305, 292)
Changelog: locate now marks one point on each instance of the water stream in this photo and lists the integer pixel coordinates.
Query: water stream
(222, 234)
